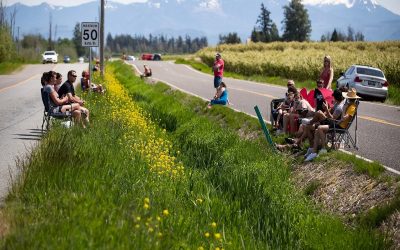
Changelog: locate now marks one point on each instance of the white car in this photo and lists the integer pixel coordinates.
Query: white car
(81, 60)
(130, 58)
(50, 57)
(368, 81)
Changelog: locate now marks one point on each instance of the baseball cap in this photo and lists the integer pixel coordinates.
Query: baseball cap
(218, 54)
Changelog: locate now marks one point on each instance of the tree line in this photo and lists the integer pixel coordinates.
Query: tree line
(152, 43)
(296, 27)
(7, 47)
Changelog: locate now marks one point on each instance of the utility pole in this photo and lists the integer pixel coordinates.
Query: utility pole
(102, 39)
(18, 40)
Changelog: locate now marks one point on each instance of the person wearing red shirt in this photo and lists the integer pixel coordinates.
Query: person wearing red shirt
(218, 69)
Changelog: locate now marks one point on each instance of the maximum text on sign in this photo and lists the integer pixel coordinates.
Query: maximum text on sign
(90, 34)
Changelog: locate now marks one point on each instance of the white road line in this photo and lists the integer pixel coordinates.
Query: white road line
(371, 161)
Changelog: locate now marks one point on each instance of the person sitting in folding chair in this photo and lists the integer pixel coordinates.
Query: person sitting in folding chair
(58, 105)
(68, 90)
(349, 110)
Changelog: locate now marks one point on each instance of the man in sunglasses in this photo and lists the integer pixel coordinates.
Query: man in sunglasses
(67, 89)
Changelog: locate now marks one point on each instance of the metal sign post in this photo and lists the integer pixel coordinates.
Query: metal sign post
(264, 128)
(90, 38)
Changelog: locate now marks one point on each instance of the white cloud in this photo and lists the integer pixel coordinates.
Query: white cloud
(211, 5)
(348, 3)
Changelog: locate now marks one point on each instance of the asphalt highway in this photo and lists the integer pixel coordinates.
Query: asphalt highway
(21, 112)
(378, 125)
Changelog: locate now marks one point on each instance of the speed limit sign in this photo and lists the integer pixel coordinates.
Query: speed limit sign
(90, 34)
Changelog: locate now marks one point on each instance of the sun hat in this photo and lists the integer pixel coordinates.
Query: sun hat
(351, 94)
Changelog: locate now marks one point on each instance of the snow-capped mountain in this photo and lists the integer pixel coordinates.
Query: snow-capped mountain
(208, 18)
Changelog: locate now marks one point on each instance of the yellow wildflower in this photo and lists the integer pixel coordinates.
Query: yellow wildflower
(165, 212)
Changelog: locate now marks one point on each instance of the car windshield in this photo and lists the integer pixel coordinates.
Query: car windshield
(49, 53)
(371, 72)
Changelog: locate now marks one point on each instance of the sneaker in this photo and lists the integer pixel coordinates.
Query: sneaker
(322, 151)
(311, 157)
(309, 151)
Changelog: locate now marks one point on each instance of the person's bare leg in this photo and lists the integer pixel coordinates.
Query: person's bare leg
(323, 129)
(76, 114)
(285, 122)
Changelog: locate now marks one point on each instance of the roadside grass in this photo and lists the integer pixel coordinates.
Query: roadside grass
(103, 187)
(9, 67)
(199, 150)
(375, 216)
(373, 169)
(393, 96)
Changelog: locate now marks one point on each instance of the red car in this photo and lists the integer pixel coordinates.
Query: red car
(147, 57)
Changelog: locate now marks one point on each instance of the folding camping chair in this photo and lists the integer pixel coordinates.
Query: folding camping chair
(337, 136)
(48, 114)
(274, 111)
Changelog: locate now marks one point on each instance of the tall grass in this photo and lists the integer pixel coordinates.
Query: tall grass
(9, 67)
(97, 188)
(304, 61)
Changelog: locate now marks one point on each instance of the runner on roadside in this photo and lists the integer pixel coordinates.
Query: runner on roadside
(218, 68)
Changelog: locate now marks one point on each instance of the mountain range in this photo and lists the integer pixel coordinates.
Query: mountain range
(208, 18)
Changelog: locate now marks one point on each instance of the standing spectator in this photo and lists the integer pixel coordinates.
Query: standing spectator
(327, 73)
(218, 69)
(67, 89)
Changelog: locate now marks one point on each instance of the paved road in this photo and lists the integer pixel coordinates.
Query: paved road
(378, 134)
(21, 112)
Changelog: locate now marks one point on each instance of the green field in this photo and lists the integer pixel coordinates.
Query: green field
(156, 171)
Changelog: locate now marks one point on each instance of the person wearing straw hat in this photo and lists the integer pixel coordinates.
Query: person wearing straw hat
(349, 110)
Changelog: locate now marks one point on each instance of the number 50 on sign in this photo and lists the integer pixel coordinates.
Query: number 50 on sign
(90, 34)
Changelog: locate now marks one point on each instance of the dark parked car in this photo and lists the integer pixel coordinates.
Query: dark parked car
(151, 57)
(67, 59)
(157, 57)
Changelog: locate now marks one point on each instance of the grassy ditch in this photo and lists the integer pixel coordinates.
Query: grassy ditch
(151, 173)
(9, 67)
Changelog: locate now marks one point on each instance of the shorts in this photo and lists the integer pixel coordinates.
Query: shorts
(218, 101)
(217, 81)
(331, 123)
(54, 110)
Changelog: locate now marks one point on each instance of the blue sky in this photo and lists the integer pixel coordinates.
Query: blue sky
(393, 5)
